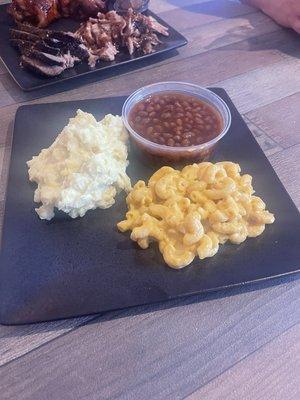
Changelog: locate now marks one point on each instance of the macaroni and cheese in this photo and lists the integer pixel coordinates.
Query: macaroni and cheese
(191, 212)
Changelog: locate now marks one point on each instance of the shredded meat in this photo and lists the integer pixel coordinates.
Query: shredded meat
(109, 32)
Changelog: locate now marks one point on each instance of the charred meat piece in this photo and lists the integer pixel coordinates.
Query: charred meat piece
(41, 68)
(141, 31)
(42, 46)
(42, 12)
(37, 12)
(64, 46)
(81, 8)
(23, 35)
(21, 45)
(66, 37)
(26, 27)
(24, 45)
(46, 58)
(47, 53)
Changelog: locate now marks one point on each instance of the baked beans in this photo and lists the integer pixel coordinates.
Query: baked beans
(175, 119)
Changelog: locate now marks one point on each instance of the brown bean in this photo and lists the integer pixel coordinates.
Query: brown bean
(199, 130)
(150, 130)
(137, 126)
(187, 135)
(159, 117)
(140, 107)
(170, 142)
(143, 113)
(198, 120)
(185, 142)
(198, 140)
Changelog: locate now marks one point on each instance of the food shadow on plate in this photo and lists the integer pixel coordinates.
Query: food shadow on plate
(166, 305)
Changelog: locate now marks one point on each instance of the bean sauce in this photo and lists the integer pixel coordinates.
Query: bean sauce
(175, 119)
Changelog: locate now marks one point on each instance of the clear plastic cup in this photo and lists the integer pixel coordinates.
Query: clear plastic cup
(191, 153)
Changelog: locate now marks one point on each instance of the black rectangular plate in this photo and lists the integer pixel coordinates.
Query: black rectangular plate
(66, 267)
(29, 81)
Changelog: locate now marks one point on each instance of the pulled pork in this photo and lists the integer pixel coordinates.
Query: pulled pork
(109, 32)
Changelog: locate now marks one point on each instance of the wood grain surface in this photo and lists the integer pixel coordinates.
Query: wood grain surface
(239, 344)
(259, 376)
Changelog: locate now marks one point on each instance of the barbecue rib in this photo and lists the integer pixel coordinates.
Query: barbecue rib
(42, 12)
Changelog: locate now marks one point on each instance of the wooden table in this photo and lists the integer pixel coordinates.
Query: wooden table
(239, 344)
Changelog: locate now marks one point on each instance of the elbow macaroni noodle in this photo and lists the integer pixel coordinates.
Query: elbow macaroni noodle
(191, 212)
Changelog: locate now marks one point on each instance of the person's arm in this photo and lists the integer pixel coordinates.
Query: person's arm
(284, 12)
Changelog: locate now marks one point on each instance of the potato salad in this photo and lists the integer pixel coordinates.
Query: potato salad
(83, 169)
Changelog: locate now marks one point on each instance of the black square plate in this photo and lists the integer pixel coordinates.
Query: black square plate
(29, 81)
(66, 267)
